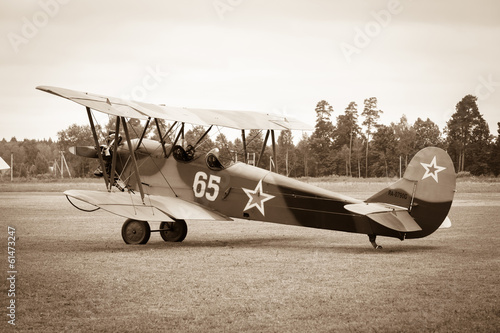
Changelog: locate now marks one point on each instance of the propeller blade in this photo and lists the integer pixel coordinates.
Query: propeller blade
(84, 151)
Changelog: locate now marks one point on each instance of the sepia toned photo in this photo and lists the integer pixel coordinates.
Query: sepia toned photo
(250, 166)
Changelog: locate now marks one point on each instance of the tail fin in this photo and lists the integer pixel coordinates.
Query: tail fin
(426, 190)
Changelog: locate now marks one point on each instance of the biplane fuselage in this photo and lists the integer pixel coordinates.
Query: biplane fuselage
(247, 192)
(244, 191)
(149, 181)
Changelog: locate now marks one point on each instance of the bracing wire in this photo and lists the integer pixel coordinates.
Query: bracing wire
(132, 172)
(254, 137)
(225, 143)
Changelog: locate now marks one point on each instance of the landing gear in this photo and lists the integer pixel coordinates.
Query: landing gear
(136, 232)
(173, 231)
(374, 244)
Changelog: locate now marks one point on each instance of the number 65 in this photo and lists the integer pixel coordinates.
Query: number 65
(200, 186)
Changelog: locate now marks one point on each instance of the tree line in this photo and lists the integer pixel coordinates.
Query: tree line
(352, 143)
(365, 148)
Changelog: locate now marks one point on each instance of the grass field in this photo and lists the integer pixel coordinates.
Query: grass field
(74, 273)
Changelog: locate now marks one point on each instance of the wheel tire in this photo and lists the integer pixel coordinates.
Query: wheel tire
(176, 232)
(136, 232)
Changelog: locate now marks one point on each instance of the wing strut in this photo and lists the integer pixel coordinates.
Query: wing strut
(115, 149)
(263, 148)
(143, 133)
(161, 137)
(169, 130)
(244, 145)
(176, 139)
(132, 156)
(203, 136)
(274, 152)
(97, 147)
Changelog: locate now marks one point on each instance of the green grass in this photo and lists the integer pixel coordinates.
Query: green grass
(76, 274)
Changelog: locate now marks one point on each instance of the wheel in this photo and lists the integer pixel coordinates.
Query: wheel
(173, 231)
(136, 232)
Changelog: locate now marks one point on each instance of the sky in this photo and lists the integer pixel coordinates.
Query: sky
(419, 58)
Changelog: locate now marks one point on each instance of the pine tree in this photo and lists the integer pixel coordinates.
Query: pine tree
(346, 130)
(384, 145)
(405, 136)
(285, 151)
(371, 115)
(427, 134)
(468, 136)
(321, 139)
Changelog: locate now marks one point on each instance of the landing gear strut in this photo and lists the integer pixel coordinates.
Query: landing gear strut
(372, 240)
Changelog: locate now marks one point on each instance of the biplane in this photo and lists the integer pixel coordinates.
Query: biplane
(155, 181)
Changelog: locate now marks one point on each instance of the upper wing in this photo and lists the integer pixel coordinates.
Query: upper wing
(205, 117)
(155, 208)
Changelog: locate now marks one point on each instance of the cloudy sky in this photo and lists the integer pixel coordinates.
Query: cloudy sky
(418, 58)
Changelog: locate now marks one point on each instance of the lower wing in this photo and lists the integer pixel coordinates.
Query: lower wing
(154, 208)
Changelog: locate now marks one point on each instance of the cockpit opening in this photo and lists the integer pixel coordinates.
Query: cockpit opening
(213, 161)
(185, 155)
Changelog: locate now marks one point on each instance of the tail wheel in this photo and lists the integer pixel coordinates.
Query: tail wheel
(173, 231)
(136, 232)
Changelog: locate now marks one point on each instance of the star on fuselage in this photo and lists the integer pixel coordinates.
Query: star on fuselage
(256, 198)
(432, 169)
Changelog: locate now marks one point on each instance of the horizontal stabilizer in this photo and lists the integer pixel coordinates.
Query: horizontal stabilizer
(390, 216)
(154, 208)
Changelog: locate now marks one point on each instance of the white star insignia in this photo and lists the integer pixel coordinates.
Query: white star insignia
(432, 169)
(257, 198)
